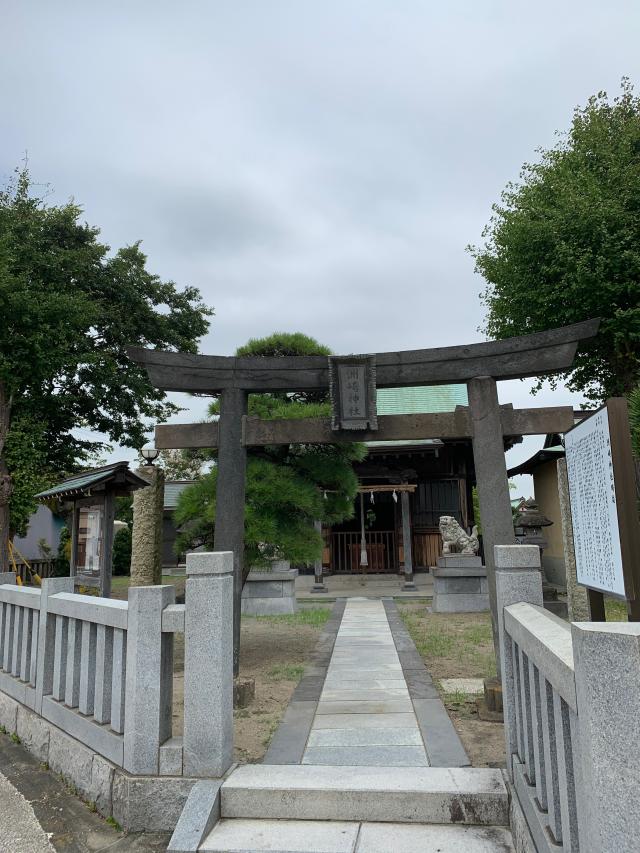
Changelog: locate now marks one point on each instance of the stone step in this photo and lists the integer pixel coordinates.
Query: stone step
(306, 836)
(459, 795)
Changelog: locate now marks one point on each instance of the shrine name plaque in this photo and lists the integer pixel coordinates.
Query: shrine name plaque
(352, 383)
(601, 475)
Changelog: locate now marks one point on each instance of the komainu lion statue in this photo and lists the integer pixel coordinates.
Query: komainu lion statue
(455, 540)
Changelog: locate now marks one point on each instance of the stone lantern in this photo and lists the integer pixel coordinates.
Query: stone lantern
(528, 525)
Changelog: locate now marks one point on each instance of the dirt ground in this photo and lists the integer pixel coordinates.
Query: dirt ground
(459, 646)
(273, 651)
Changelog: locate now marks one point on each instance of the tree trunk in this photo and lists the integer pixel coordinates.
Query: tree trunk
(6, 485)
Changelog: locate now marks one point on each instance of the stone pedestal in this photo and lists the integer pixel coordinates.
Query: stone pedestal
(271, 593)
(460, 585)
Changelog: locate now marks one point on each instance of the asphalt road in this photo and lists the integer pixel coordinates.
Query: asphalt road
(19, 828)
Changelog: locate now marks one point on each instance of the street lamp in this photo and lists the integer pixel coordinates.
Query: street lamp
(149, 453)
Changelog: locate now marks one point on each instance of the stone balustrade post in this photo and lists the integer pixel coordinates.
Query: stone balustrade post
(208, 664)
(47, 637)
(607, 672)
(518, 578)
(149, 679)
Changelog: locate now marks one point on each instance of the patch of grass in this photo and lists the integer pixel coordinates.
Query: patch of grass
(314, 616)
(272, 726)
(3, 731)
(457, 697)
(286, 672)
(615, 610)
(460, 644)
(114, 823)
(44, 765)
(92, 806)
(15, 738)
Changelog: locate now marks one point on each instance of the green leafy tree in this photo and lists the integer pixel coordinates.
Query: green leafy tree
(564, 245)
(68, 310)
(288, 487)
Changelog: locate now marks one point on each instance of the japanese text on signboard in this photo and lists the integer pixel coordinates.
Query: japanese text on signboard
(594, 513)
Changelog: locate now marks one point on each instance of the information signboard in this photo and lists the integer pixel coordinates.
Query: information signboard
(594, 512)
(606, 530)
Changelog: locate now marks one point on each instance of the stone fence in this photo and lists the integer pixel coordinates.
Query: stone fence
(571, 699)
(96, 675)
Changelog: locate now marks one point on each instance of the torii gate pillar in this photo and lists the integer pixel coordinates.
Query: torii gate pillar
(229, 523)
(491, 480)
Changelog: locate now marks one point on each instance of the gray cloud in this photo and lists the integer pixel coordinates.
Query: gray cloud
(308, 166)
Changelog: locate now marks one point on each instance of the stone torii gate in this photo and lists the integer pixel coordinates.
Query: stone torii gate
(480, 366)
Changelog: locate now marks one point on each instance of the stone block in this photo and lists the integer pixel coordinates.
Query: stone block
(607, 672)
(171, 757)
(209, 563)
(471, 603)
(33, 731)
(97, 738)
(517, 557)
(149, 802)
(408, 736)
(458, 561)
(468, 585)
(8, 712)
(71, 759)
(263, 589)
(200, 814)
(513, 585)
(252, 836)
(383, 837)
(102, 774)
(460, 572)
(407, 794)
(370, 755)
(208, 684)
(149, 679)
(289, 742)
(281, 606)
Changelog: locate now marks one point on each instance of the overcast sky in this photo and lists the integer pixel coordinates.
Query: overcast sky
(312, 166)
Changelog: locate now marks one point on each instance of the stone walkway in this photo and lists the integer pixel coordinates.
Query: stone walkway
(366, 698)
(365, 715)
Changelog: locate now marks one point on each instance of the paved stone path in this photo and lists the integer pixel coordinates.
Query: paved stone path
(365, 715)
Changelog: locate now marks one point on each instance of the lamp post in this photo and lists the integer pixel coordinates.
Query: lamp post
(149, 453)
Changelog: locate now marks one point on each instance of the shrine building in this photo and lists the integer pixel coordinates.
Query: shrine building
(441, 471)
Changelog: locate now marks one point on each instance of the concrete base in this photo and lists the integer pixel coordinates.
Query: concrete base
(460, 585)
(270, 593)
(138, 803)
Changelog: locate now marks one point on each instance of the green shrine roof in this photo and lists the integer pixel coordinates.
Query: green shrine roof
(172, 491)
(426, 399)
(78, 484)
(421, 400)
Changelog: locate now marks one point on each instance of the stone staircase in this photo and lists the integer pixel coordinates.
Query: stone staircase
(325, 809)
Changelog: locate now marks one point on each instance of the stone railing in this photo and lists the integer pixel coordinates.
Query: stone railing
(571, 694)
(101, 671)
